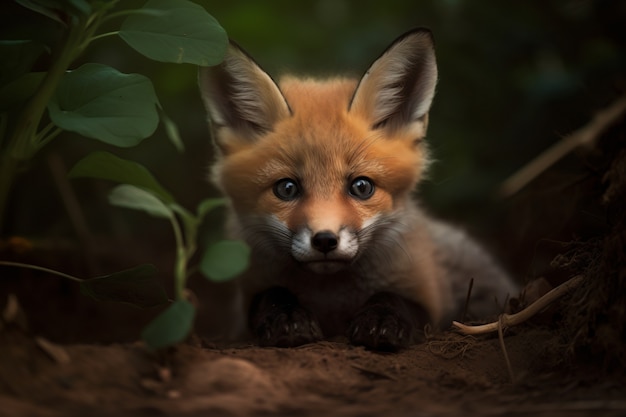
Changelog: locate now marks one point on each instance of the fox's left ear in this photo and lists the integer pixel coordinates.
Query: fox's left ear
(397, 90)
(241, 97)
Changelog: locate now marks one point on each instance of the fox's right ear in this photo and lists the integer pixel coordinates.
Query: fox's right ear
(240, 96)
(397, 90)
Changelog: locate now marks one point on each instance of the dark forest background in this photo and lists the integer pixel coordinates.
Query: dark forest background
(515, 78)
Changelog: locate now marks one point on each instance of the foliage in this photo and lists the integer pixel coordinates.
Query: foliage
(139, 190)
(99, 102)
(94, 100)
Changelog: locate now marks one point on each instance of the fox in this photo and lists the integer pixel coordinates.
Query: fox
(320, 178)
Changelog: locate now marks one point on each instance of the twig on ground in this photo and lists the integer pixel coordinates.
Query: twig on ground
(586, 135)
(504, 351)
(508, 320)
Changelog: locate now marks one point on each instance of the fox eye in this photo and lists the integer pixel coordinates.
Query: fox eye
(362, 188)
(286, 189)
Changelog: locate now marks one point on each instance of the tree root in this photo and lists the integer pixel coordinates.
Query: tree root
(509, 320)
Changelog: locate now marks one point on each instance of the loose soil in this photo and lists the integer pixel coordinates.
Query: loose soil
(449, 375)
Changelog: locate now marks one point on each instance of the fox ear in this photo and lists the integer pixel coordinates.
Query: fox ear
(397, 90)
(240, 96)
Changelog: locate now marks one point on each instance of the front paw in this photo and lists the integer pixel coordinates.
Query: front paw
(386, 322)
(278, 320)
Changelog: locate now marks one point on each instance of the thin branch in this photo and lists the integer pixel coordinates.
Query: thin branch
(100, 36)
(503, 347)
(584, 136)
(509, 320)
(40, 268)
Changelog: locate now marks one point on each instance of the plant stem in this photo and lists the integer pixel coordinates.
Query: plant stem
(41, 268)
(23, 143)
(102, 35)
(180, 273)
(44, 140)
(180, 264)
(123, 13)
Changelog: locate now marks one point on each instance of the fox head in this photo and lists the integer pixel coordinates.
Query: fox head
(322, 171)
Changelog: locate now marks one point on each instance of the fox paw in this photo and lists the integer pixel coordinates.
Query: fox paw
(278, 320)
(385, 323)
(288, 328)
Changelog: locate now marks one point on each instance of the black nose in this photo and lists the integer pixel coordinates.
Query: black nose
(325, 241)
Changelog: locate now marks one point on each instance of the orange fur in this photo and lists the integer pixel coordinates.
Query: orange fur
(323, 136)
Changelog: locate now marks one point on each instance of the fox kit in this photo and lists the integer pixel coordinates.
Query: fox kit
(320, 175)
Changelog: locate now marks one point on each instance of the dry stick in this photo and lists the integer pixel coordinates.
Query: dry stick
(583, 136)
(509, 320)
(503, 347)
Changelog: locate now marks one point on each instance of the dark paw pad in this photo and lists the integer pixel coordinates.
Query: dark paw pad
(287, 327)
(380, 327)
(277, 319)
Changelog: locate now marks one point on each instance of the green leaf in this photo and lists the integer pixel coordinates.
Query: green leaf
(136, 286)
(101, 103)
(225, 260)
(171, 326)
(208, 205)
(132, 197)
(105, 165)
(17, 92)
(185, 33)
(55, 9)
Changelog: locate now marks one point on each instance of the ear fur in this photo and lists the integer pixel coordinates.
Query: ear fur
(239, 95)
(397, 90)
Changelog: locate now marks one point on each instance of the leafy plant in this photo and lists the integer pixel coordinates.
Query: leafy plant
(139, 190)
(101, 103)
(94, 100)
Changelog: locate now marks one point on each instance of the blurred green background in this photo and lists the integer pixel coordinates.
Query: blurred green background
(515, 77)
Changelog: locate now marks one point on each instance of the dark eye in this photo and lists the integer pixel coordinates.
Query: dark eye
(286, 189)
(362, 188)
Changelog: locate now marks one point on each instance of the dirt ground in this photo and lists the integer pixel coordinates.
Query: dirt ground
(450, 375)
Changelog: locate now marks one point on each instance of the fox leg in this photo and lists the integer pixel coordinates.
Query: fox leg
(276, 318)
(387, 322)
